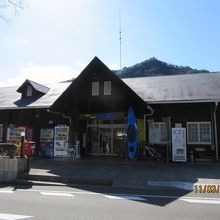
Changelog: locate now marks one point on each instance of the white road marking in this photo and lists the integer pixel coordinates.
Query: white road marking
(73, 192)
(4, 216)
(173, 184)
(6, 191)
(56, 194)
(203, 201)
(135, 198)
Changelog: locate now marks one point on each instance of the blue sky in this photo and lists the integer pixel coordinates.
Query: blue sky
(53, 40)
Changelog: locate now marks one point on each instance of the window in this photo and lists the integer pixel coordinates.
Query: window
(95, 88)
(198, 132)
(107, 88)
(29, 91)
(158, 133)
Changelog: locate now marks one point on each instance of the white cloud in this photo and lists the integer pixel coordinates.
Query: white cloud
(21, 41)
(46, 74)
(41, 74)
(113, 66)
(80, 64)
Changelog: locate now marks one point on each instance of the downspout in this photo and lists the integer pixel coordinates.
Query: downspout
(215, 128)
(145, 115)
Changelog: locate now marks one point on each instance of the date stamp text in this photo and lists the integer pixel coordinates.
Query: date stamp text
(206, 188)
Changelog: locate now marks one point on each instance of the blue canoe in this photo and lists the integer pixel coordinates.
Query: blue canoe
(132, 134)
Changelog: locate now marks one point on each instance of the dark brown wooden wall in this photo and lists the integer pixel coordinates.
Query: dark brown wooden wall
(35, 118)
(183, 113)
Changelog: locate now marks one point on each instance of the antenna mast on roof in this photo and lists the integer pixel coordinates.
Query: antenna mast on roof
(120, 36)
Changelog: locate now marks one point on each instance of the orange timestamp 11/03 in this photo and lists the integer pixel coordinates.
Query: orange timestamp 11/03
(206, 188)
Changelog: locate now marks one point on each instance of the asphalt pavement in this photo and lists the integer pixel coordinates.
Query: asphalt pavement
(65, 202)
(120, 173)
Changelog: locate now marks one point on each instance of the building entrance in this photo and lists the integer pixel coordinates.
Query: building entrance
(105, 139)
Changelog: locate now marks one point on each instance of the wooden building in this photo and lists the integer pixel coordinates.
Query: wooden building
(27, 108)
(95, 106)
(189, 101)
(97, 102)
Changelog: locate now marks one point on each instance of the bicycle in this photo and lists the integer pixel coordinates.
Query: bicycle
(152, 153)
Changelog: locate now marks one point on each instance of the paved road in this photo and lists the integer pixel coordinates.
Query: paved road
(62, 202)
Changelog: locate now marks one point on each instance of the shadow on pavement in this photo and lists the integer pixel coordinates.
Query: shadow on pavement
(125, 179)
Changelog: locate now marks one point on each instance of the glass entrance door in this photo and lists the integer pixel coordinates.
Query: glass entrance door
(106, 140)
(119, 141)
(93, 140)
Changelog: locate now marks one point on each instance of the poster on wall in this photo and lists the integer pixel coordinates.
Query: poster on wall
(179, 144)
(1, 132)
(61, 135)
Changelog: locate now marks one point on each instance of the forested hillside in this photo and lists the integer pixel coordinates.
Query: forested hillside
(155, 67)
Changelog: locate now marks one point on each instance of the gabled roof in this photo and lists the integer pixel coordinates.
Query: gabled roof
(38, 87)
(95, 64)
(11, 99)
(204, 87)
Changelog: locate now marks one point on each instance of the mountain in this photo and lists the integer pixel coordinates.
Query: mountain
(155, 67)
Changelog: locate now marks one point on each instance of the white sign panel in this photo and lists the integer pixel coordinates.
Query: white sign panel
(179, 144)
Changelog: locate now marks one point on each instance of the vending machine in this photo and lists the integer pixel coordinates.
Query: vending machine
(179, 145)
(14, 133)
(61, 135)
(46, 142)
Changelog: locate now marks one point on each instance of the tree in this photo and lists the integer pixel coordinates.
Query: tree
(8, 7)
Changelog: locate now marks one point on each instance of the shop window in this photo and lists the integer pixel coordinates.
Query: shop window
(158, 133)
(198, 132)
(95, 88)
(107, 88)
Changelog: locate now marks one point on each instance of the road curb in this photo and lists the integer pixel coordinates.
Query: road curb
(67, 179)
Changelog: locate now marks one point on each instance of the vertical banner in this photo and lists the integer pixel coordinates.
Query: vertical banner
(151, 131)
(140, 123)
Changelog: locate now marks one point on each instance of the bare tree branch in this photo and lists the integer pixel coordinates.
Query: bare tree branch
(1, 17)
(16, 4)
(10, 6)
